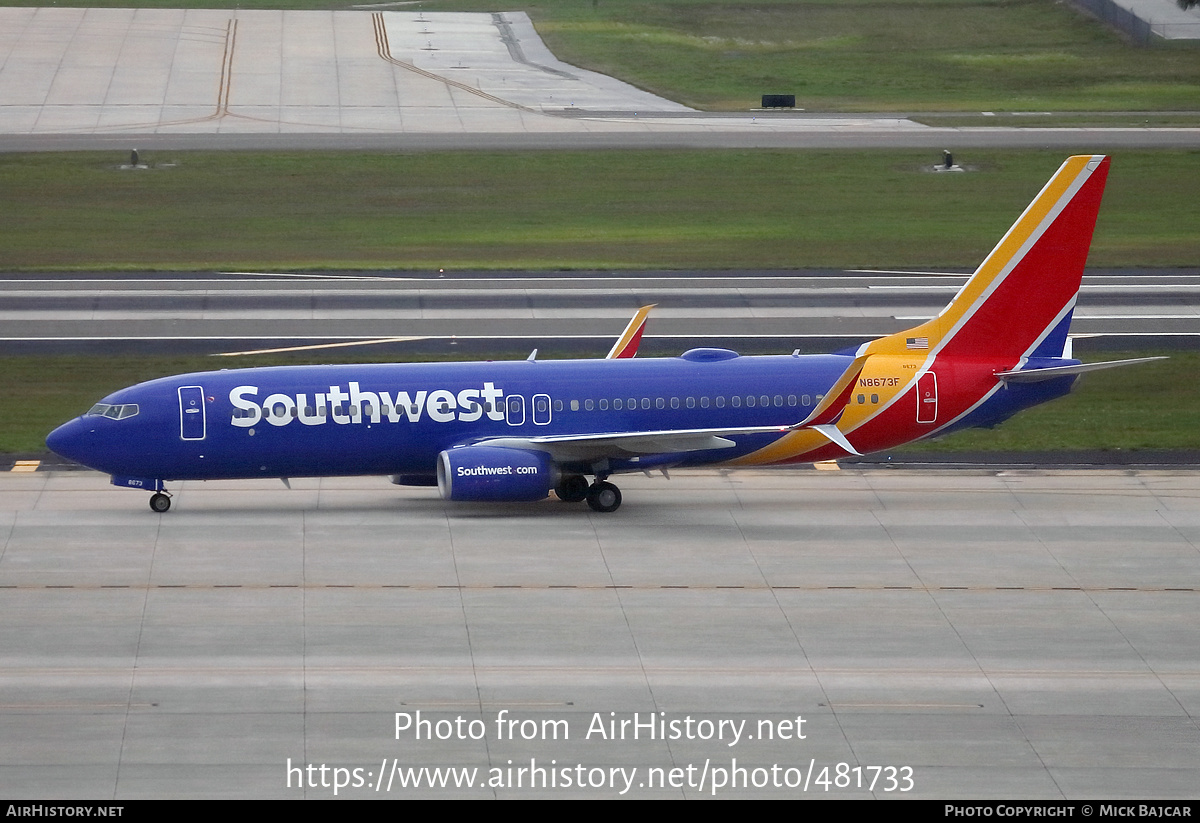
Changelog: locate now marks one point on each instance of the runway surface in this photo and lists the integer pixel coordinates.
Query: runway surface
(1001, 634)
(389, 79)
(563, 313)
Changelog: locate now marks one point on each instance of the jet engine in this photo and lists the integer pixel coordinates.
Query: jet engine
(482, 473)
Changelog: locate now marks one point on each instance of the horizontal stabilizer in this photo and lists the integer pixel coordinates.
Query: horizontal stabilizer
(1038, 375)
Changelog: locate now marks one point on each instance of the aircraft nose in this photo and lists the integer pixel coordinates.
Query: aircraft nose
(70, 440)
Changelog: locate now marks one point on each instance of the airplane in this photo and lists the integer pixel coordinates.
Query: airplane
(515, 431)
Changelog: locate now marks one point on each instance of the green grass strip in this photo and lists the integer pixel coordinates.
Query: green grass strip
(565, 210)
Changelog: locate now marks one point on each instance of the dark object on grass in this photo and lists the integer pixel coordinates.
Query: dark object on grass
(779, 101)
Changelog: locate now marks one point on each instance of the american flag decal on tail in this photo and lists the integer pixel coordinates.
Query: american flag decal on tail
(916, 342)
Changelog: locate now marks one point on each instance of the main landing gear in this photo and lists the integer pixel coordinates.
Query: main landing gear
(602, 496)
(160, 502)
(572, 489)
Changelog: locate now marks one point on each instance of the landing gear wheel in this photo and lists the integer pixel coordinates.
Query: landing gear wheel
(572, 489)
(159, 502)
(603, 497)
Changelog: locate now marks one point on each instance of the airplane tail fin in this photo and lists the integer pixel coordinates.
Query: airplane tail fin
(1020, 300)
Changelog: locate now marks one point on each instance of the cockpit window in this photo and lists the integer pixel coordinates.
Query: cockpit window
(118, 411)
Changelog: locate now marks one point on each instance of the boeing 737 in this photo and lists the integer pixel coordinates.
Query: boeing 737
(515, 431)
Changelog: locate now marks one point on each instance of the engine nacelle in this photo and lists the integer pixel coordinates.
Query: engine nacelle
(483, 473)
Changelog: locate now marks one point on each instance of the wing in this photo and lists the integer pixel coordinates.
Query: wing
(599, 445)
(596, 446)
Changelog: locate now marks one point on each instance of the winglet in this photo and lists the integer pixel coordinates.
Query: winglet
(627, 344)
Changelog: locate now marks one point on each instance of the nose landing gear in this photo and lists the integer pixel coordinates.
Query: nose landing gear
(160, 502)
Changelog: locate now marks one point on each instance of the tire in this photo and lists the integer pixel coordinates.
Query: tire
(572, 489)
(159, 503)
(604, 497)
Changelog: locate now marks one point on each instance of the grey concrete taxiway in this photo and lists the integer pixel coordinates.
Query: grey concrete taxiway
(405, 71)
(962, 634)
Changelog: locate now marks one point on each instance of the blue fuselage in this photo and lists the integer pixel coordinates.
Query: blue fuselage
(396, 418)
